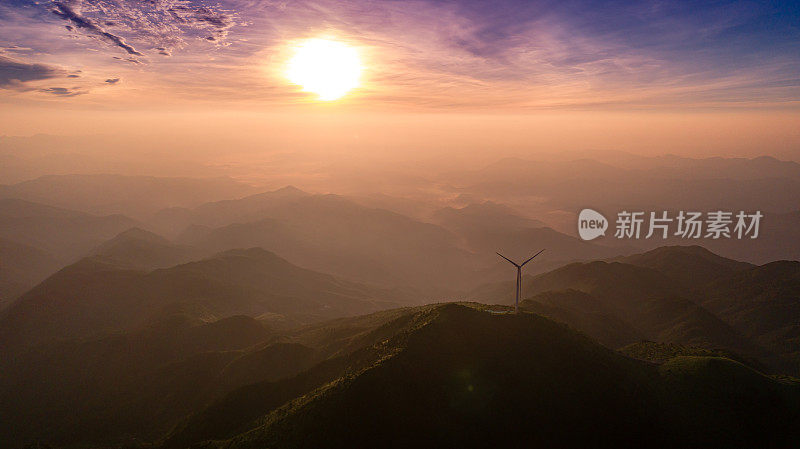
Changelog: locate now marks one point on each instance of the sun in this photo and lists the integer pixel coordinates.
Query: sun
(325, 67)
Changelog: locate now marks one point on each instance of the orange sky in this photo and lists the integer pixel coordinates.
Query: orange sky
(456, 78)
(337, 129)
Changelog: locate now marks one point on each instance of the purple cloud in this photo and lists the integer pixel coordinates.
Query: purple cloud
(15, 72)
(132, 60)
(63, 91)
(162, 26)
(443, 53)
(67, 13)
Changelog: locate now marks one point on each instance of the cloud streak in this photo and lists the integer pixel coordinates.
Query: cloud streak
(64, 92)
(14, 73)
(64, 11)
(157, 25)
(442, 54)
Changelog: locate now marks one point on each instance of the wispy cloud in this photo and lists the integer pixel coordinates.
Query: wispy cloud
(138, 26)
(437, 53)
(14, 73)
(63, 10)
(65, 92)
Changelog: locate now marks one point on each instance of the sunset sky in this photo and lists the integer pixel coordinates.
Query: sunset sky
(68, 65)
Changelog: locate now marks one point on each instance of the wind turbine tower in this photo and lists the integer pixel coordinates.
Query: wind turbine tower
(519, 277)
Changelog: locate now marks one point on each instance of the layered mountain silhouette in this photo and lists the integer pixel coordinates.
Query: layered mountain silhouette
(189, 343)
(98, 294)
(141, 249)
(776, 236)
(139, 382)
(672, 182)
(689, 266)
(666, 295)
(483, 217)
(63, 233)
(225, 212)
(586, 312)
(425, 376)
(762, 303)
(776, 241)
(36, 240)
(456, 374)
(23, 266)
(167, 312)
(667, 183)
(147, 380)
(328, 233)
(339, 235)
(139, 196)
(488, 227)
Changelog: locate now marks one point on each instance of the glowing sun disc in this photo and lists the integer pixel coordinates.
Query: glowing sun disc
(327, 68)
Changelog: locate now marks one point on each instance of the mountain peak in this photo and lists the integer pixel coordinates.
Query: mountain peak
(142, 249)
(460, 376)
(137, 233)
(290, 190)
(690, 265)
(255, 252)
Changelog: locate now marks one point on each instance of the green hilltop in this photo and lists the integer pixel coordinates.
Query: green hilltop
(456, 375)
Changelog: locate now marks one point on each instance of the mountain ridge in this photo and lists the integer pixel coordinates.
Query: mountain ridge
(482, 402)
(252, 281)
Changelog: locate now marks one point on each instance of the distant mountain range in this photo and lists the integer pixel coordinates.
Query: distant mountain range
(141, 249)
(672, 183)
(97, 295)
(138, 196)
(682, 295)
(338, 235)
(488, 227)
(36, 240)
(214, 353)
(172, 313)
(65, 233)
(555, 190)
(23, 266)
(442, 253)
(327, 233)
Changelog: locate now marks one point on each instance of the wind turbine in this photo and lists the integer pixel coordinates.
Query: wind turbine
(519, 276)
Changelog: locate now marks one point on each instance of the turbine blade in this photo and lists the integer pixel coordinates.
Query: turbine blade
(523, 263)
(506, 258)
